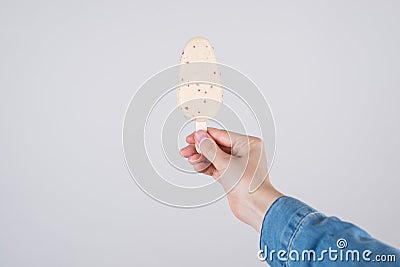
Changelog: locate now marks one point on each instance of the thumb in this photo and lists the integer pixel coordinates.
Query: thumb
(211, 151)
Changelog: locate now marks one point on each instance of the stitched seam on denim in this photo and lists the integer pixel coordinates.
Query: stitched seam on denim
(296, 230)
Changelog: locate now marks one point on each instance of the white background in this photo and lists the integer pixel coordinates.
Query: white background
(329, 69)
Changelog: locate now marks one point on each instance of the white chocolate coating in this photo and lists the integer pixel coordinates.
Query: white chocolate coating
(199, 96)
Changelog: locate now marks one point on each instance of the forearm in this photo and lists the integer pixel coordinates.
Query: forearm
(308, 237)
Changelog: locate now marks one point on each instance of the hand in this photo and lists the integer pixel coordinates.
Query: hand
(238, 162)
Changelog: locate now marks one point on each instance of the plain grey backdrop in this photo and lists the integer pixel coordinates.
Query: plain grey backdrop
(329, 69)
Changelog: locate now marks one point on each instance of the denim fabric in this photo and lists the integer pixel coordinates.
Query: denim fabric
(294, 234)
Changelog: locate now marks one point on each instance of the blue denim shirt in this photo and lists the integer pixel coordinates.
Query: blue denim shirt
(294, 234)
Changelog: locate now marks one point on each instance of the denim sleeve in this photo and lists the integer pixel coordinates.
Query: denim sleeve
(294, 234)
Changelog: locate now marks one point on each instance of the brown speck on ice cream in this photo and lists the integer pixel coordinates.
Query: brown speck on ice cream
(186, 108)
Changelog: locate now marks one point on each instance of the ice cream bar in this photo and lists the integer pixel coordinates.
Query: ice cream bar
(199, 91)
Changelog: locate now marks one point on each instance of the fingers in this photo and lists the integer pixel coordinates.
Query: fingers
(190, 140)
(211, 151)
(221, 137)
(227, 150)
(208, 170)
(188, 151)
(201, 164)
(193, 157)
(216, 145)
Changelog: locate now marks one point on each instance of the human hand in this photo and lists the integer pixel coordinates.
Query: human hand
(238, 162)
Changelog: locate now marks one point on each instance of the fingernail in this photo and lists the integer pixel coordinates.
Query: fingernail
(200, 136)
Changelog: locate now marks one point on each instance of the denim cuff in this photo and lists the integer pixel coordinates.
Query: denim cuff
(281, 223)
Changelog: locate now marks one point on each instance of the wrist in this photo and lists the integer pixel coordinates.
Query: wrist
(260, 201)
